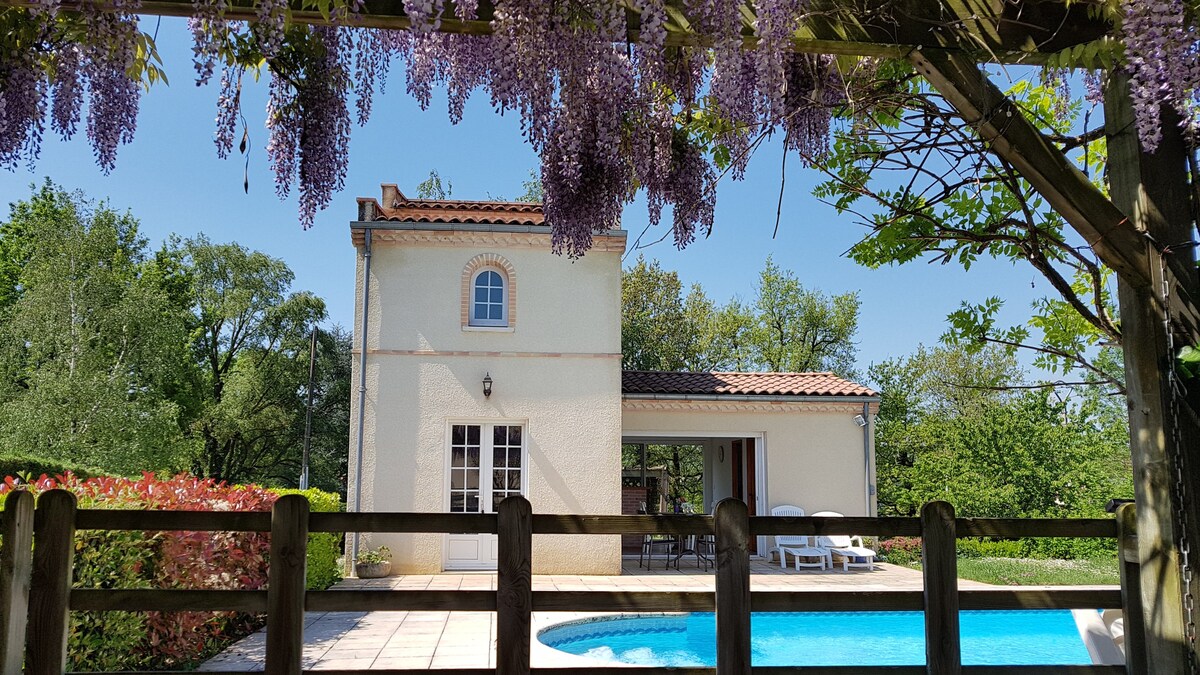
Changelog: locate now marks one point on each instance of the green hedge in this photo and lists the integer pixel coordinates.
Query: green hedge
(324, 548)
(29, 468)
(111, 640)
(907, 550)
(990, 548)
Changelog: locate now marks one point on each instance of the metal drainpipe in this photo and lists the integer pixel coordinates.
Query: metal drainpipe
(362, 393)
(866, 413)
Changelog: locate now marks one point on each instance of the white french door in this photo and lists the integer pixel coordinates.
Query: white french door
(486, 465)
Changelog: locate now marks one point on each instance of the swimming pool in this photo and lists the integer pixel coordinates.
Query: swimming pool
(1008, 637)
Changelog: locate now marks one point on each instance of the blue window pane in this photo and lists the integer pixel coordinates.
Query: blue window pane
(488, 299)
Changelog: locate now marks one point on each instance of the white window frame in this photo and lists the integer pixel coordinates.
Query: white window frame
(502, 322)
(485, 450)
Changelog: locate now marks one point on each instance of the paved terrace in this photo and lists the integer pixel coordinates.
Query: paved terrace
(383, 640)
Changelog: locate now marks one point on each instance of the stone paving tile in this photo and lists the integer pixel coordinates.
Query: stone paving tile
(341, 664)
(337, 654)
(426, 616)
(409, 649)
(405, 662)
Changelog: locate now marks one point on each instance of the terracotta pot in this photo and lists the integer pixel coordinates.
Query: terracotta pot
(373, 570)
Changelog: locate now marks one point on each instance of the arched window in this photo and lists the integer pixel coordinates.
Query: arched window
(489, 298)
(489, 293)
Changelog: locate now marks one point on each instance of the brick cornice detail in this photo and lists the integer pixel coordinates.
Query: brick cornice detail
(790, 407)
(458, 238)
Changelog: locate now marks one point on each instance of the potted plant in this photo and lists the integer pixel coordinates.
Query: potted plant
(373, 563)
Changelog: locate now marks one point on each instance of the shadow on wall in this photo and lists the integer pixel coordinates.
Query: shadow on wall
(554, 480)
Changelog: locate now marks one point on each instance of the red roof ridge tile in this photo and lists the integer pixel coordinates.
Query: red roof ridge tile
(736, 383)
(810, 373)
(469, 204)
(395, 206)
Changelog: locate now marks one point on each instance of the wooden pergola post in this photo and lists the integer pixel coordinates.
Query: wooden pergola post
(1154, 191)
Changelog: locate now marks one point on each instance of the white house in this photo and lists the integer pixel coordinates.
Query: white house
(493, 367)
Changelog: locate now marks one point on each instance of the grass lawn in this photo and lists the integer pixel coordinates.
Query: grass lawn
(1037, 572)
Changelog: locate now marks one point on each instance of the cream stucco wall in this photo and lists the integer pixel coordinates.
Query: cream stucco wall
(812, 452)
(558, 372)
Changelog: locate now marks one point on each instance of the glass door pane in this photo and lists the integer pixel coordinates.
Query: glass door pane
(506, 463)
(464, 468)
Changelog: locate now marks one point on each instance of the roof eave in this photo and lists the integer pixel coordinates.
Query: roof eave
(782, 398)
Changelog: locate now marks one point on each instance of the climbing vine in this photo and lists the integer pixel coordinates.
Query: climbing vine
(607, 113)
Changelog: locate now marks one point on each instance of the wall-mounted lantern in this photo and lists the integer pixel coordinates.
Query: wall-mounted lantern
(487, 385)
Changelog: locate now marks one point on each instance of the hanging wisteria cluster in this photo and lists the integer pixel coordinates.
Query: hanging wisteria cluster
(90, 54)
(608, 111)
(1161, 50)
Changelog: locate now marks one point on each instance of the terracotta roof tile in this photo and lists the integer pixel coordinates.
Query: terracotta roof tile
(744, 384)
(395, 206)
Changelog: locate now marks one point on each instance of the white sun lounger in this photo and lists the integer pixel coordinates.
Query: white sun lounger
(801, 547)
(849, 549)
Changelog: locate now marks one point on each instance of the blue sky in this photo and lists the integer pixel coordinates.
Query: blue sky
(172, 180)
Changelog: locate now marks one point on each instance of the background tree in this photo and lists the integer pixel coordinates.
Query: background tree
(91, 342)
(250, 338)
(655, 331)
(533, 188)
(194, 357)
(329, 451)
(786, 328)
(800, 330)
(434, 187)
(950, 427)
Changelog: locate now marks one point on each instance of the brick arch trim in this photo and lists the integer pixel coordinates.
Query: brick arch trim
(497, 262)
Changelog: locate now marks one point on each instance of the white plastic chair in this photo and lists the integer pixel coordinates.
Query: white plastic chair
(849, 549)
(800, 546)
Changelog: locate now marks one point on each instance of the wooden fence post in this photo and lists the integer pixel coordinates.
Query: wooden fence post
(16, 570)
(939, 566)
(514, 586)
(285, 585)
(1131, 591)
(731, 522)
(50, 591)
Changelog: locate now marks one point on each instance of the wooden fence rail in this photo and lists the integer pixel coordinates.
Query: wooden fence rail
(36, 593)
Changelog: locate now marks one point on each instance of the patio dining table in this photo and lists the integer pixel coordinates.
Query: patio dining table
(703, 546)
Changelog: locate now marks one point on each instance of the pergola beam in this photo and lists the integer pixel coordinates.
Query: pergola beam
(987, 30)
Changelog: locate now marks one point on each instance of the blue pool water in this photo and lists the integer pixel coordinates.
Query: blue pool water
(1011, 637)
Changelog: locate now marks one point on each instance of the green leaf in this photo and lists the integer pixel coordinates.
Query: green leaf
(1188, 362)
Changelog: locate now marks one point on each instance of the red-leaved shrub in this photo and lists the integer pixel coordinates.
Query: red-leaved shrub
(181, 560)
(900, 550)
